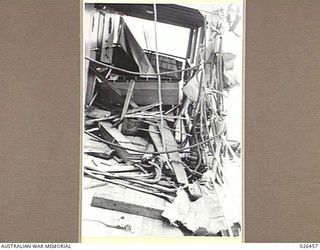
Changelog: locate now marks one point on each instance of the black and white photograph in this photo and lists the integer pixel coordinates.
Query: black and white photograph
(162, 119)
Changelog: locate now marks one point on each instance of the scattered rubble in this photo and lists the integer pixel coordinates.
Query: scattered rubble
(169, 142)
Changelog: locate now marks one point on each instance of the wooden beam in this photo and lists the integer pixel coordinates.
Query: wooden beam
(170, 144)
(153, 132)
(156, 138)
(194, 45)
(113, 135)
(189, 44)
(129, 201)
(127, 101)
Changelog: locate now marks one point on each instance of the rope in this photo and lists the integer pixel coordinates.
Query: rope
(158, 71)
(138, 73)
(152, 153)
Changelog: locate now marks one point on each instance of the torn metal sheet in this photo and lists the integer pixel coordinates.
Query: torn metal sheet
(206, 212)
(131, 46)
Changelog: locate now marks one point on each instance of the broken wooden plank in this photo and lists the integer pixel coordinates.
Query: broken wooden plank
(139, 142)
(114, 136)
(156, 138)
(91, 145)
(154, 134)
(129, 201)
(106, 165)
(127, 100)
(95, 95)
(170, 144)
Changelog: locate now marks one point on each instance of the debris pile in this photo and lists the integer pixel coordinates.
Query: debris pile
(162, 130)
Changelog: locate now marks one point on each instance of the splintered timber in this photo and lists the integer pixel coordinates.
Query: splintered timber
(157, 139)
(35, 245)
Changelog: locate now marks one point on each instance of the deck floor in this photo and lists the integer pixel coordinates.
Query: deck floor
(100, 222)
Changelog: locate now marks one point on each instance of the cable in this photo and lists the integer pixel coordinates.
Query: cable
(129, 178)
(152, 153)
(161, 195)
(198, 174)
(138, 73)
